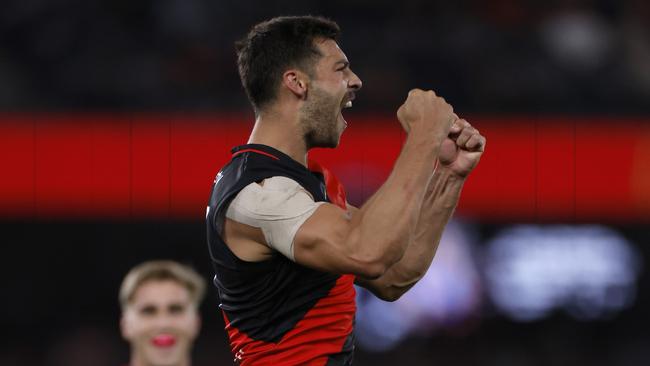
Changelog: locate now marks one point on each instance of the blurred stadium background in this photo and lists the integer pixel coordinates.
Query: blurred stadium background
(116, 115)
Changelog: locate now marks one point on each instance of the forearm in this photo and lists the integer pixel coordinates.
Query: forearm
(385, 222)
(440, 199)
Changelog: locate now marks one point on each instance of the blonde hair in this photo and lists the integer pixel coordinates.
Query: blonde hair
(162, 270)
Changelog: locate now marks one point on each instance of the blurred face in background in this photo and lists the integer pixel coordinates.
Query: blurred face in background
(160, 323)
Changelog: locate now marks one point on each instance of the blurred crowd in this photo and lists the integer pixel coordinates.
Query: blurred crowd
(501, 56)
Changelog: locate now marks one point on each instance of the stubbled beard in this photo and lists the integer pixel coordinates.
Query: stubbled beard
(319, 119)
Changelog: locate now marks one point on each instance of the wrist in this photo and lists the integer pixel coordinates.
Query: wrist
(427, 144)
(425, 132)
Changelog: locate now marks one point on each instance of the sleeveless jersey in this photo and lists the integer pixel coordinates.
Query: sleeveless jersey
(276, 311)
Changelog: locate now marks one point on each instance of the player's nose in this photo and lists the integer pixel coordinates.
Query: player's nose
(164, 321)
(355, 82)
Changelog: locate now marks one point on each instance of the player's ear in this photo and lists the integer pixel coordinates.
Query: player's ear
(297, 82)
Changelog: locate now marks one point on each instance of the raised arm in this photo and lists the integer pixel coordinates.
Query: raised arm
(459, 154)
(375, 238)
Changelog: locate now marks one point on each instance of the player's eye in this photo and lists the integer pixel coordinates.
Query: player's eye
(148, 310)
(343, 66)
(176, 308)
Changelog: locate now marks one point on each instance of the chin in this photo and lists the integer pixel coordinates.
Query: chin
(165, 357)
(329, 142)
(333, 141)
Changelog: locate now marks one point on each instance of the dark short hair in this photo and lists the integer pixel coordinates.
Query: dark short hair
(273, 46)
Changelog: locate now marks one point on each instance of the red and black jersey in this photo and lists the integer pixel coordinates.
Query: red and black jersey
(278, 312)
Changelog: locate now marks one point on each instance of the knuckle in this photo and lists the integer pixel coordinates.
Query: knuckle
(415, 91)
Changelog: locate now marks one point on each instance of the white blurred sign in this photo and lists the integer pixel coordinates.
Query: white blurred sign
(589, 271)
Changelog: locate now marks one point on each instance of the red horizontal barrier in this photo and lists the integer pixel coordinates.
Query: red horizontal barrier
(162, 166)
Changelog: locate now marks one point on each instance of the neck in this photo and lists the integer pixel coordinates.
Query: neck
(282, 132)
(140, 361)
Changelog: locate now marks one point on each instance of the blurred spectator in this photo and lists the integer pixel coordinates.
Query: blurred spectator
(503, 56)
(160, 319)
(636, 52)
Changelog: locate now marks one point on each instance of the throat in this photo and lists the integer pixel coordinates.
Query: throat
(280, 137)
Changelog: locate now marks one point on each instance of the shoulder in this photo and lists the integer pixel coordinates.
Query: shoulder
(274, 198)
(276, 195)
(278, 206)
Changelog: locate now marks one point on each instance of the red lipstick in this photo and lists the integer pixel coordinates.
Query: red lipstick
(163, 340)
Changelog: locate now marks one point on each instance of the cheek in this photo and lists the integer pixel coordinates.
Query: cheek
(187, 325)
(136, 328)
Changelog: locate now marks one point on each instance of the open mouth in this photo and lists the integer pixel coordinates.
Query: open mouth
(163, 340)
(347, 101)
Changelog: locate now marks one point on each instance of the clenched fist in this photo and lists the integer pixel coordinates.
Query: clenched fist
(461, 150)
(426, 113)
